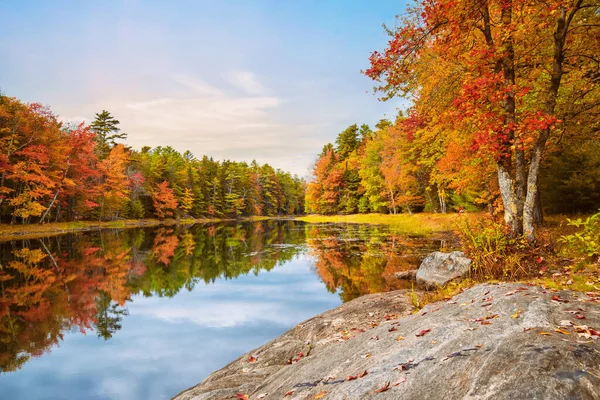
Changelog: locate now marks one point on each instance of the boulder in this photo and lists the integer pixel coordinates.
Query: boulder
(504, 341)
(409, 275)
(439, 268)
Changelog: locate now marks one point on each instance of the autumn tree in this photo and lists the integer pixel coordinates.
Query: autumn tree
(164, 200)
(505, 73)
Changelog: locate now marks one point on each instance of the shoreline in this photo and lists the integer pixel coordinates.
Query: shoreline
(34, 231)
(423, 223)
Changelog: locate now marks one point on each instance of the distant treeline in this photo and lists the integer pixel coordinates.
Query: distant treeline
(51, 171)
(402, 168)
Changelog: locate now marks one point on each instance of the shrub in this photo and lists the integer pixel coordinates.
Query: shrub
(586, 242)
(494, 252)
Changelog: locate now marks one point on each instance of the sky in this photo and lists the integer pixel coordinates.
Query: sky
(272, 81)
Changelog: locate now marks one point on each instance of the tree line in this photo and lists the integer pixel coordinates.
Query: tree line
(50, 171)
(505, 112)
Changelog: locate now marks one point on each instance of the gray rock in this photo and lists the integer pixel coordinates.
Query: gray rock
(409, 275)
(439, 268)
(489, 342)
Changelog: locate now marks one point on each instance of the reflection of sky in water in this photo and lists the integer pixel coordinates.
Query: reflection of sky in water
(167, 345)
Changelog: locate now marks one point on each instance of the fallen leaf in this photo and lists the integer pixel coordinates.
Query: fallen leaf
(261, 396)
(423, 332)
(351, 377)
(252, 359)
(559, 299)
(516, 314)
(366, 355)
(579, 316)
(559, 330)
(383, 388)
(566, 322)
(545, 333)
(291, 392)
(363, 374)
(470, 329)
(399, 381)
(479, 346)
(320, 395)
(400, 338)
(242, 396)
(392, 329)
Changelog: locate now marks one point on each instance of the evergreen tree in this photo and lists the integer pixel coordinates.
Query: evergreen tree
(106, 128)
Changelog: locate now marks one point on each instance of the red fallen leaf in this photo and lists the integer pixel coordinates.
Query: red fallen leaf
(351, 377)
(242, 396)
(579, 316)
(559, 299)
(392, 329)
(383, 388)
(423, 332)
(363, 374)
(539, 260)
(291, 392)
(252, 359)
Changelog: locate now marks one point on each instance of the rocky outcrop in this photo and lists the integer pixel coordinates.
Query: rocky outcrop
(439, 268)
(409, 275)
(504, 341)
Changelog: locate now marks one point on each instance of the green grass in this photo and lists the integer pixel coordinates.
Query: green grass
(417, 224)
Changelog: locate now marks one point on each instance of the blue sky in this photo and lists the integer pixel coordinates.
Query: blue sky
(267, 80)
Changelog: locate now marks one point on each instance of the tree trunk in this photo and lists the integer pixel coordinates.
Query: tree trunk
(506, 184)
(560, 36)
(513, 191)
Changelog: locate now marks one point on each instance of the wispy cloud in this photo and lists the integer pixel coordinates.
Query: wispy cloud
(246, 81)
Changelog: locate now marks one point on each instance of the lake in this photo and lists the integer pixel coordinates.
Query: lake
(147, 313)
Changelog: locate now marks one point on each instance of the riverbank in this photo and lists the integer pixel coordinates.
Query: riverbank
(421, 223)
(545, 344)
(32, 231)
(417, 224)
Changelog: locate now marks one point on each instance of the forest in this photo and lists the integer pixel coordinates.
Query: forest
(504, 115)
(52, 171)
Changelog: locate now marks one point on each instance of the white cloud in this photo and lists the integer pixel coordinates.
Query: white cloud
(246, 81)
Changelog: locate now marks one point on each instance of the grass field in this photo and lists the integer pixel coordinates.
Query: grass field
(423, 223)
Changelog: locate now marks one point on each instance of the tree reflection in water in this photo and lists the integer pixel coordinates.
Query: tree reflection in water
(84, 281)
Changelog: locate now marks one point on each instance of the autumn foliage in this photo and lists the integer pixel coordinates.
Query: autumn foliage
(50, 171)
(495, 85)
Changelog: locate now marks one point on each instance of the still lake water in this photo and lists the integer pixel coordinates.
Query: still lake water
(146, 313)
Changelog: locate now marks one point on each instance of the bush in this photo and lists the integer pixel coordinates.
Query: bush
(494, 252)
(586, 242)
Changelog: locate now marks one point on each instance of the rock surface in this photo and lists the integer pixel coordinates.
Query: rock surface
(439, 268)
(504, 341)
(409, 275)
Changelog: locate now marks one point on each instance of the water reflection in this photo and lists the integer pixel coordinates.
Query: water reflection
(361, 259)
(98, 282)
